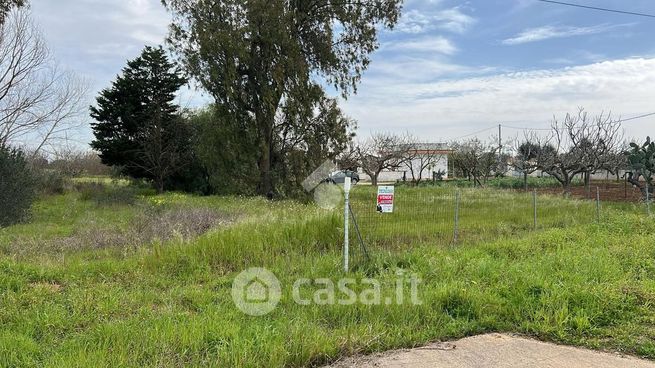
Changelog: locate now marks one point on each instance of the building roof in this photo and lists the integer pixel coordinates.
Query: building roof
(433, 146)
(428, 148)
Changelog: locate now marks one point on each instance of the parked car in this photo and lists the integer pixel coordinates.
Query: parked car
(338, 177)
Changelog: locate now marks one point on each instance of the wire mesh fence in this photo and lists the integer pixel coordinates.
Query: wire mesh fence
(449, 215)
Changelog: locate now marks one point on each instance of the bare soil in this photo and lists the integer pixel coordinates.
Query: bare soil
(612, 191)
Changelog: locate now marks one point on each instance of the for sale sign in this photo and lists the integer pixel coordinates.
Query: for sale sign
(385, 198)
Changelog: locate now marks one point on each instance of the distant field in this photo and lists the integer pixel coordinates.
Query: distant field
(427, 214)
(114, 275)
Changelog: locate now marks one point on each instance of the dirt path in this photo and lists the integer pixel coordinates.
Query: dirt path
(497, 351)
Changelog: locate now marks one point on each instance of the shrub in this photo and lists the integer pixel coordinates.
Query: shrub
(17, 186)
(106, 195)
(51, 182)
(148, 226)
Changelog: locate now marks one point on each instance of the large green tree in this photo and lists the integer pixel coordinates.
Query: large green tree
(259, 58)
(139, 127)
(303, 139)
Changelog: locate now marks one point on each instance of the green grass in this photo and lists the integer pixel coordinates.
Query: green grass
(573, 281)
(427, 214)
(507, 182)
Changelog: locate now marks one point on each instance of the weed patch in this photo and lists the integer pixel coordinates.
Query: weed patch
(587, 284)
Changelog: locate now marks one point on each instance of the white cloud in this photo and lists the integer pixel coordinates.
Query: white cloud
(449, 108)
(95, 38)
(420, 21)
(436, 44)
(454, 20)
(415, 86)
(86, 28)
(548, 32)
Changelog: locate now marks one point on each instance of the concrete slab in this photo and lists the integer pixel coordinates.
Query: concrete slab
(495, 351)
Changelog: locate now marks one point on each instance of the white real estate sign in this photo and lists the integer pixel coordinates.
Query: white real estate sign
(385, 198)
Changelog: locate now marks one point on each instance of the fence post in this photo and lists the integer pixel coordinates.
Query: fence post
(597, 204)
(346, 215)
(648, 199)
(456, 229)
(534, 206)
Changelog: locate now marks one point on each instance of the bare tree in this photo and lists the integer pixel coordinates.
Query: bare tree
(474, 159)
(617, 161)
(382, 151)
(528, 153)
(69, 160)
(38, 101)
(581, 145)
(348, 158)
(418, 157)
(162, 153)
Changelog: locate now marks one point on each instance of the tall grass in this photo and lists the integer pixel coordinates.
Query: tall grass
(428, 214)
(588, 283)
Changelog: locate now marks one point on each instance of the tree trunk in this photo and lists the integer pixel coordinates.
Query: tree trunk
(567, 188)
(265, 121)
(159, 183)
(265, 178)
(565, 180)
(525, 180)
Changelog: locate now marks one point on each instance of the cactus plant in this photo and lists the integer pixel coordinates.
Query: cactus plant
(641, 159)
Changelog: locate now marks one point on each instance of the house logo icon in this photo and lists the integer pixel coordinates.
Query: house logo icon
(256, 291)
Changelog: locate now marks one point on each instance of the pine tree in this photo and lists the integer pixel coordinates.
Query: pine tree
(139, 128)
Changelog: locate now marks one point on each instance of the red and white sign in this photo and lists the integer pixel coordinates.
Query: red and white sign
(385, 198)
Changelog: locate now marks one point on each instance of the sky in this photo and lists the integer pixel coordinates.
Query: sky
(448, 70)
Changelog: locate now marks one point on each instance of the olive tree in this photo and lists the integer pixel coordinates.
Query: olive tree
(528, 155)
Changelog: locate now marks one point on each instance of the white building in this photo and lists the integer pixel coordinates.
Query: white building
(430, 160)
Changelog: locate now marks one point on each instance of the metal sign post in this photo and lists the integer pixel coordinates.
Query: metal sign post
(346, 215)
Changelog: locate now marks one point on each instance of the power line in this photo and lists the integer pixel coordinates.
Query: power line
(598, 8)
(637, 117)
(543, 129)
(474, 133)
